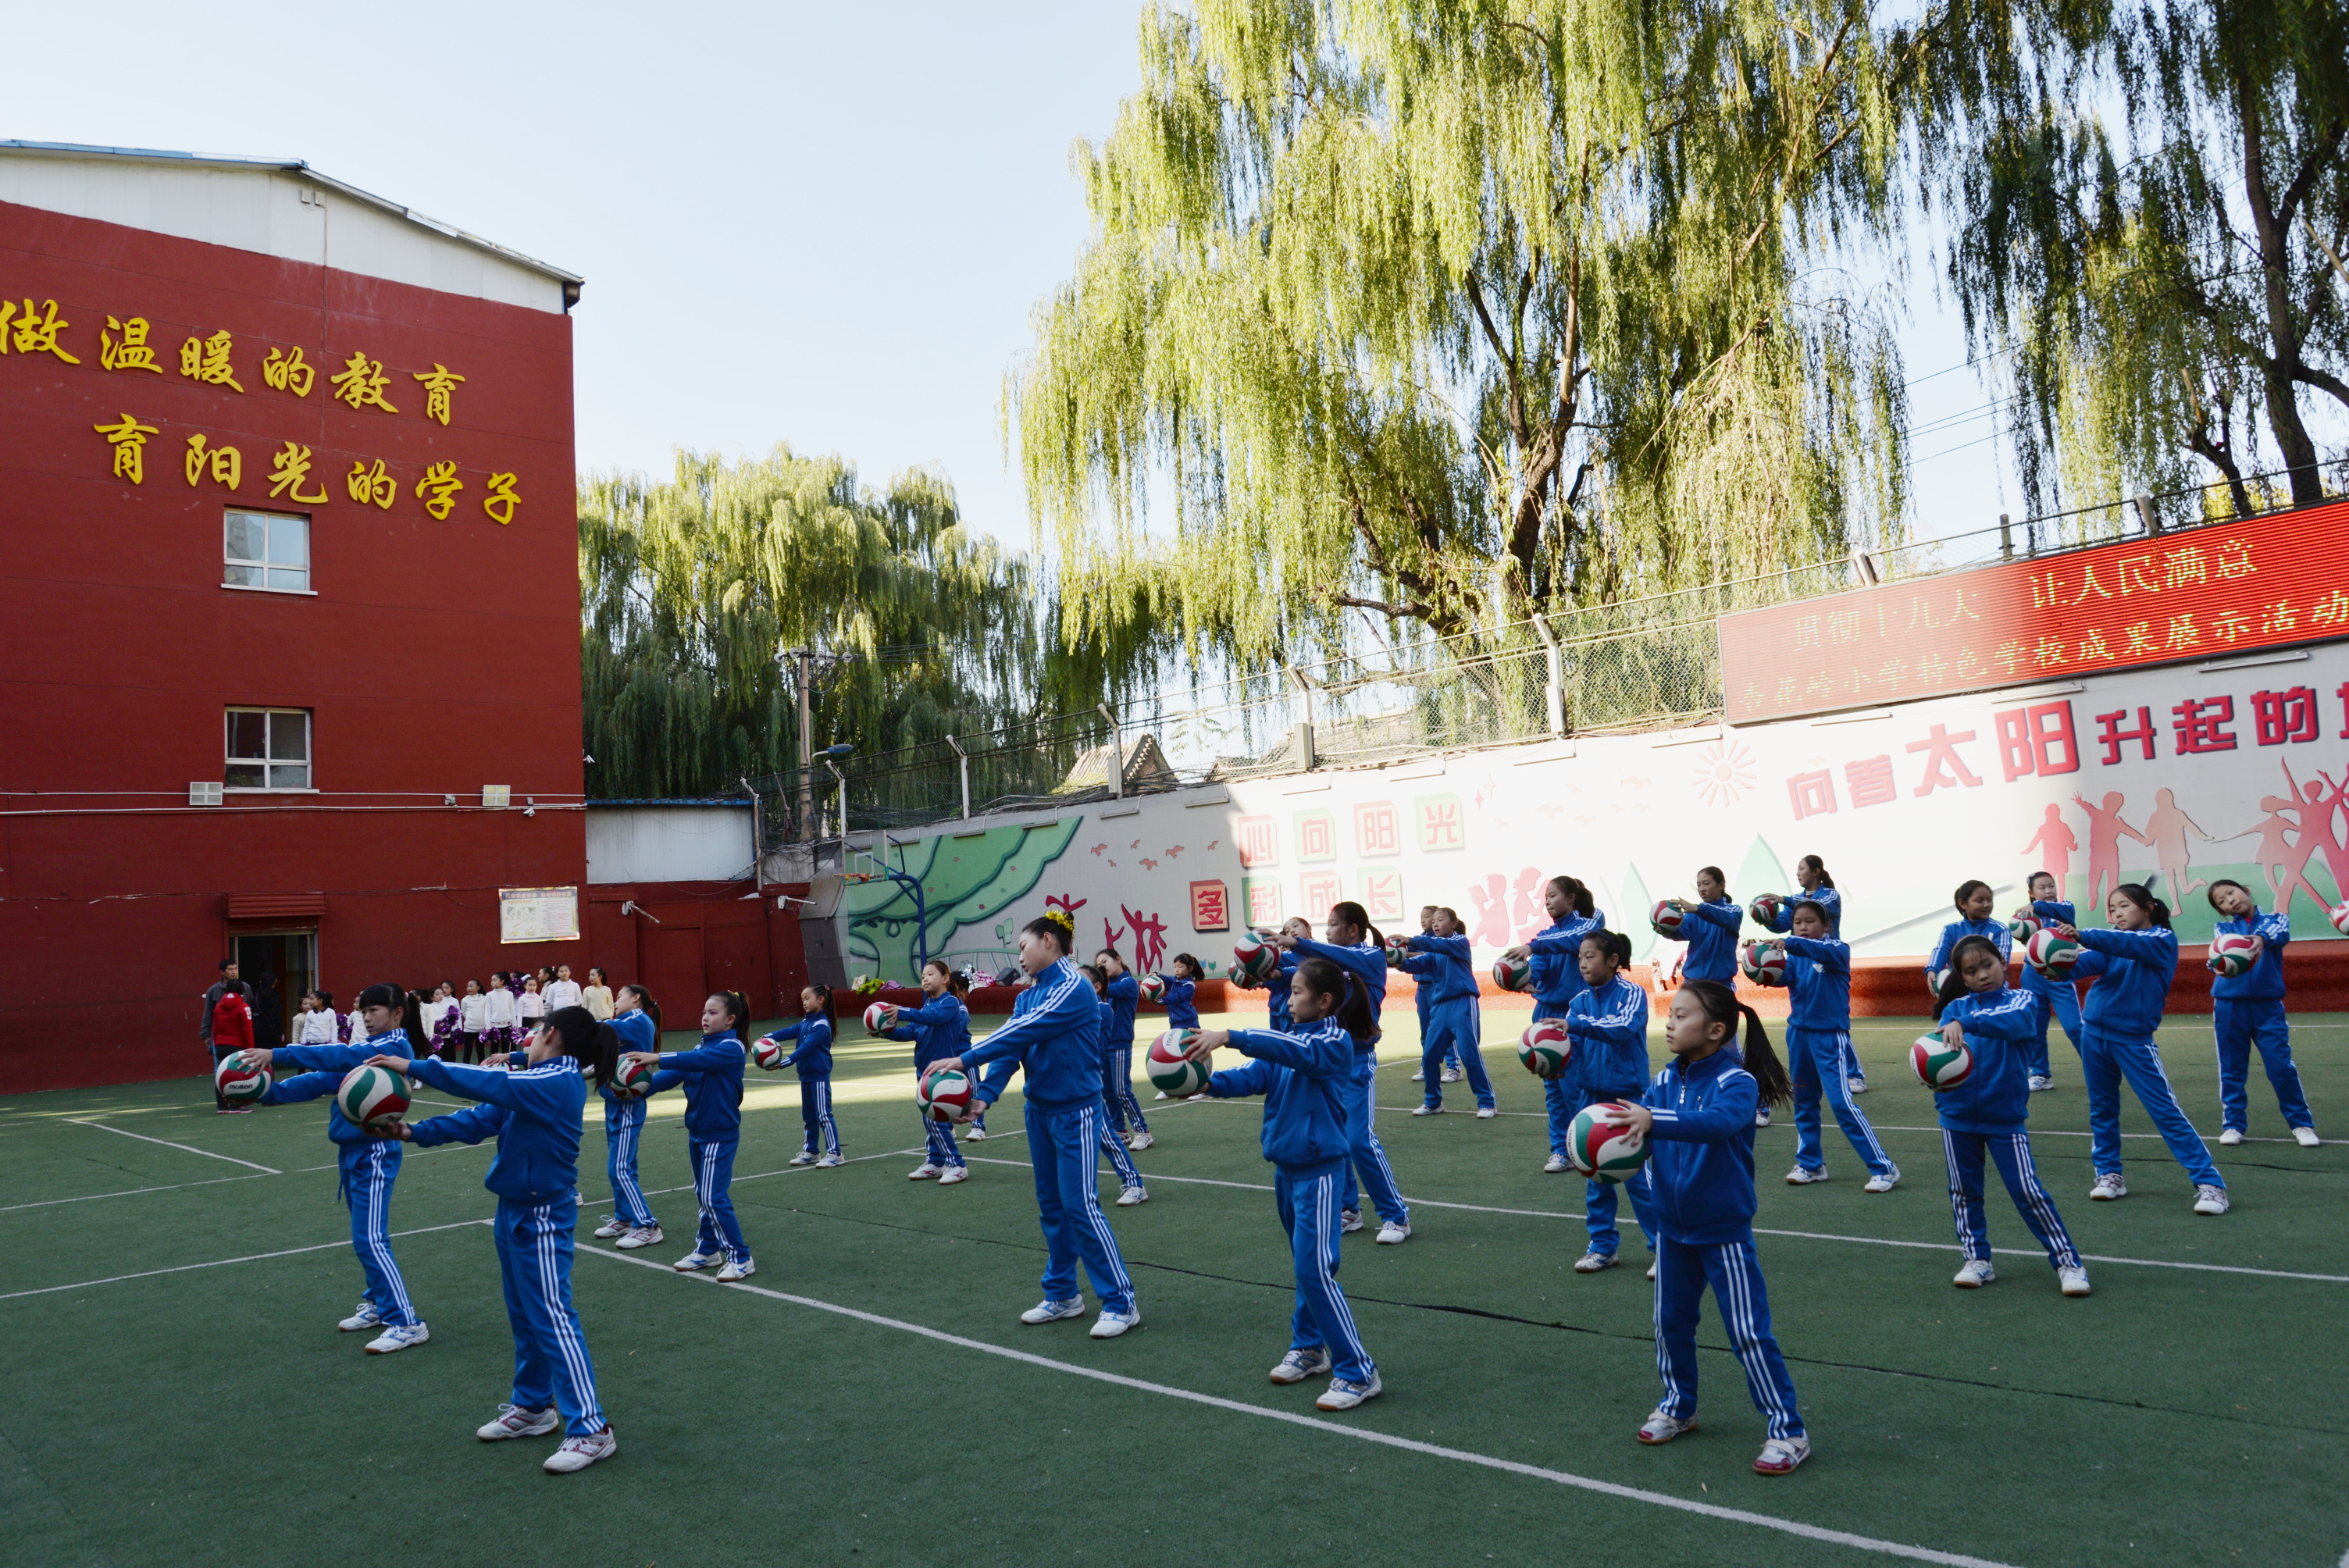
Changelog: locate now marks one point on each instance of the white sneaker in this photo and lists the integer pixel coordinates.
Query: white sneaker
(1053, 1310)
(2075, 1281)
(1159, 1095)
(1451, 1075)
(392, 1339)
(695, 1259)
(612, 1226)
(1418, 1077)
(2040, 1081)
(804, 1157)
(1137, 1194)
(1974, 1274)
(1110, 1324)
(1651, 1271)
(1348, 1222)
(2305, 1137)
(2231, 1137)
(1659, 1428)
(1394, 1233)
(1553, 1165)
(737, 1268)
(2108, 1187)
(1884, 1184)
(1801, 1176)
(830, 1162)
(642, 1236)
(513, 1421)
(1298, 1365)
(1762, 1116)
(1342, 1394)
(925, 1171)
(1780, 1456)
(366, 1316)
(1427, 1110)
(1591, 1263)
(978, 1134)
(952, 1175)
(1141, 1141)
(2208, 1199)
(1487, 1113)
(1853, 1085)
(578, 1453)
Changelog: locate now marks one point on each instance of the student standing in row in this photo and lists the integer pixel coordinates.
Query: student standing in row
(2247, 1010)
(561, 991)
(472, 1021)
(2058, 998)
(1442, 964)
(1972, 901)
(1131, 1189)
(637, 1025)
(1819, 888)
(939, 1029)
(1608, 1026)
(1124, 994)
(1710, 928)
(596, 994)
(812, 1058)
(1819, 1035)
(1555, 973)
(1355, 945)
(712, 1075)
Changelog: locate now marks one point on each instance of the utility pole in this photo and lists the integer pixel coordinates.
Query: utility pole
(804, 660)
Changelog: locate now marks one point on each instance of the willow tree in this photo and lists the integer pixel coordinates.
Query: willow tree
(1450, 312)
(689, 585)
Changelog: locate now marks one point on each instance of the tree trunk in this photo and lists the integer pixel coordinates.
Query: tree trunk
(2282, 359)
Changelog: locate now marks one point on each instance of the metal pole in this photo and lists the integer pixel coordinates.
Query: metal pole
(1116, 754)
(806, 657)
(842, 779)
(2144, 511)
(1556, 656)
(2006, 537)
(1308, 758)
(962, 765)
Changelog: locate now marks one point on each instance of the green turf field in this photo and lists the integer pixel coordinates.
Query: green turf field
(179, 1394)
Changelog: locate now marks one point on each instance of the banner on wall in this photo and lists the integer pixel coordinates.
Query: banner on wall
(538, 914)
(2201, 594)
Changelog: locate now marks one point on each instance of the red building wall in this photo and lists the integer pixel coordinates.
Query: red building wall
(438, 654)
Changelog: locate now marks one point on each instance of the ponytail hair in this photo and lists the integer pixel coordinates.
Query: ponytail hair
(1584, 904)
(1818, 866)
(2142, 896)
(958, 982)
(1055, 924)
(646, 1004)
(400, 999)
(1354, 914)
(1353, 1014)
(822, 991)
(595, 1045)
(1954, 985)
(1613, 944)
(1720, 1005)
(1967, 890)
(735, 1005)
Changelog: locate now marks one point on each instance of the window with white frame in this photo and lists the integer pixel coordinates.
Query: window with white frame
(268, 749)
(266, 550)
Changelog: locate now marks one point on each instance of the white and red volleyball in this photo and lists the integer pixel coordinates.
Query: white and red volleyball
(237, 1084)
(1764, 962)
(2024, 925)
(1174, 1074)
(1765, 909)
(1153, 987)
(943, 1094)
(768, 1052)
(632, 1080)
(880, 1018)
(1512, 974)
(2232, 952)
(1665, 921)
(1604, 1150)
(1939, 1065)
(2051, 952)
(1546, 1047)
(1255, 957)
(370, 1097)
(2339, 915)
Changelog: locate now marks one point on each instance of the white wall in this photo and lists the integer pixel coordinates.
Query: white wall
(667, 843)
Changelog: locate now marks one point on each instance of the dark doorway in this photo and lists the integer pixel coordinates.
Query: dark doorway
(292, 957)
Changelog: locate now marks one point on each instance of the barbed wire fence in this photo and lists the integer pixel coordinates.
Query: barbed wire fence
(1638, 664)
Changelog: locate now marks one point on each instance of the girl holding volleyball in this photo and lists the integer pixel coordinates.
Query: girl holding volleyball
(811, 1059)
(636, 1023)
(1182, 987)
(712, 1075)
(2247, 1010)
(1819, 1039)
(1710, 928)
(939, 1029)
(1553, 961)
(1441, 962)
(1355, 945)
(1125, 992)
(1608, 1026)
(1818, 887)
(2059, 998)
(1697, 1121)
(1972, 901)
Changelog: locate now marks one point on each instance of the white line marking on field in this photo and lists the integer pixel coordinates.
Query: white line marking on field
(223, 1262)
(167, 1143)
(787, 1171)
(1359, 1434)
(126, 1192)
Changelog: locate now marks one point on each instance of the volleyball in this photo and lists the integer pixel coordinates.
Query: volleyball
(1935, 979)
(879, 1019)
(2024, 926)
(2232, 954)
(370, 1097)
(240, 1085)
(1255, 958)
(2051, 952)
(1764, 962)
(1512, 974)
(2339, 914)
(1546, 1047)
(1398, 949)
(632, 1080)
(1175, 1075)
(1939, 1065)
(1604, 1150)
(943, 1094)
(1153, 987)
(1765, 909)
(1666, 921)
(769, 1053)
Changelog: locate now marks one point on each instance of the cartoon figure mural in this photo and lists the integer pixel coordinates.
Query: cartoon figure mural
(2050, 849)
(2104, 830)
(2167, 828)
(966, 882)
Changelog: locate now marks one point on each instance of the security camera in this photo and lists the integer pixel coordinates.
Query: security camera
(529, 810)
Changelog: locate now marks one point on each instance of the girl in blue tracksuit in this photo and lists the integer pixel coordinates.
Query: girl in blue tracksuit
(1698, 1119)
(1303, 1075)
(811, 1057)
(1355, 945)
(1972, 901)
(1131, 1190)
(391, 1027)
(1553, 961)
(2132, 964)
(2059, 998)
(1054, 1035)
(1182, 987)
(1984, 1115)
(636, 1019)
(712, 1075)
(532, 1106)
(2247, 1010)
(1124, 994)
(1422, 1004)
(1443, 963)
(1608, 1026)
(939, 1029)
(1819, 1033)
(1818, 887)
(1276, 988)
(1710, 928)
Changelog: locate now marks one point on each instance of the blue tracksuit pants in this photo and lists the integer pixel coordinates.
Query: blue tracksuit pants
(2062, 1006)
(2240, 1025)
(1816, 1057)
(939, 1144)
(1453, 1026)
(1062, 1148)
(368, 1170)
(550, 1364)
(1121, 1159)
(1558, 1093)
(2105, 1061)
(1851, 1068)
(1369, 1156)
(713, 1174)
(1682, 1271)
(624, 1129)
(1309, 1213)
(1599, 1197)
(1117, 1088)
(822, 1133)
(2012, 1152)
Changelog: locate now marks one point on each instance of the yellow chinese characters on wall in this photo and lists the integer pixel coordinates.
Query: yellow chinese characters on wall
(225, 464)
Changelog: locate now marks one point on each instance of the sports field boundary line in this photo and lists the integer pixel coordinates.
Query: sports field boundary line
(223, 1262)
(189, 1148)
(1950, 1245)
(1879, 1126)
(1359, 1434)
(128, 1193)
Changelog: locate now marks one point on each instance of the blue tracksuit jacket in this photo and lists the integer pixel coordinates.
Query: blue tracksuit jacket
(1609, 1024)
(1818, 977)
(1055, 1036)
(1125, 996)
(813, 1055)
(323, 1070)
(1702, 1164)
(1367, 963)
(1826, 898)
(1999, 1028)
(1444, 967)
(939, 1029)
(1180, 1012)
(533, 1112)
(1557, 977)
(1957, 931)
(1303, 1077)
(712, 1075)
(2264, 981)
(2133, 970)
(1711, 931)
(2055, 911)
(637, 1034)
(1277, 1000)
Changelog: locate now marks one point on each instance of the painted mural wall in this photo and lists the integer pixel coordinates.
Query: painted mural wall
(2172, 777)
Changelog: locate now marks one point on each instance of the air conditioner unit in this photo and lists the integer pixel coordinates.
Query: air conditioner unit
(497, 794)
(203, 794)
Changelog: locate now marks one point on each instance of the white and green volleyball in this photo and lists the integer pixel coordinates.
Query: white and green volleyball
(1939, 1065)
(2232, 954)
(632, 1080)
(1545, 1047)
(943, 1094)
(240, 1085)
(1174, 1074)
(370, 1097)
(1602, 1150)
